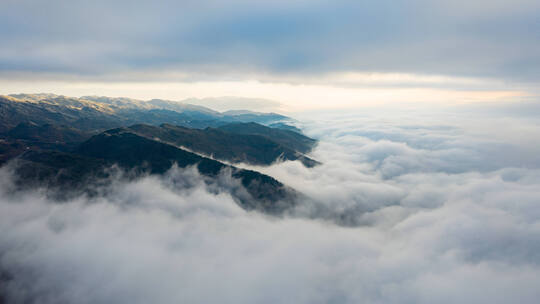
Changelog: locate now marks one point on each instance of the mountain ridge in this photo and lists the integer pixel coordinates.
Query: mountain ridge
(70, 144)
(79, 170)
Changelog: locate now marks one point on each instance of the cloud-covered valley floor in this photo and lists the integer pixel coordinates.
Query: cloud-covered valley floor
(407, 207)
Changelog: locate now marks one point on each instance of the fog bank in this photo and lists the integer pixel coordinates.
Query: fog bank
(407, 207)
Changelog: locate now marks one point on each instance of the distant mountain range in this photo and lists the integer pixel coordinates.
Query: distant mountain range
(93, 113)
(65, 143)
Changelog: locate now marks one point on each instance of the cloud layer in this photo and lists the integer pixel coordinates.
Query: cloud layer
(407, 208)
(485, 38)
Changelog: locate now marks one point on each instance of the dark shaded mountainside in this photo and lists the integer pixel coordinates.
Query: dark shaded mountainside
(242, 143)
(71, 144)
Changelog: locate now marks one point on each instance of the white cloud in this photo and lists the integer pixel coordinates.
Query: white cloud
(455, 223)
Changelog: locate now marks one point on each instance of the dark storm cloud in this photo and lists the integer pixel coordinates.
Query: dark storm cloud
(484, 38)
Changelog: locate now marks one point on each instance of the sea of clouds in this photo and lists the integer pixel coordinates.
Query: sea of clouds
(409, 206)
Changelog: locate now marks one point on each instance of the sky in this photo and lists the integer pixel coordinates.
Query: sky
(302, 54)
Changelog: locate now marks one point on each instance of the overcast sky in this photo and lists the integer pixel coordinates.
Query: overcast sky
(181, 49)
